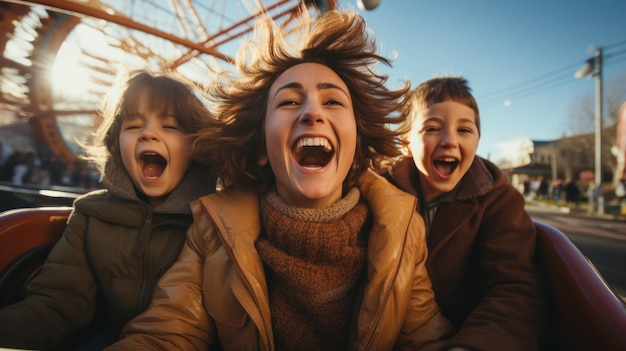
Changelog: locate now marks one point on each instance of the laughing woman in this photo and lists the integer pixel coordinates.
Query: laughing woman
(305, 248)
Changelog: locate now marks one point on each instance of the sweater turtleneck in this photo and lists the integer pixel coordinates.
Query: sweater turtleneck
(314, 259)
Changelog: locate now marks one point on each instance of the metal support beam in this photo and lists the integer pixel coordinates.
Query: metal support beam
(80, 10)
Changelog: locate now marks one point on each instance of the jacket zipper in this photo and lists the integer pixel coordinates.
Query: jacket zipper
(142, 263)
(370, 340)
(244, 278)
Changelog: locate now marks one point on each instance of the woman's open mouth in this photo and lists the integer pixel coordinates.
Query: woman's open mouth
(313, 153)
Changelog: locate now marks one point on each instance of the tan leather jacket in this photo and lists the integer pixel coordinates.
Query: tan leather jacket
(217, 290)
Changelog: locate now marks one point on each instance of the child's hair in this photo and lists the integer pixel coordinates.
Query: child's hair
(166, 93)
(339, 40)
(434, 91)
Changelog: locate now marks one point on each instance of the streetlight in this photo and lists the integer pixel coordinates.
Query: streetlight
(595, 65)
(367, 4)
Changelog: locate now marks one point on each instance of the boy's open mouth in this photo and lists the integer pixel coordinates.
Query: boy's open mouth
(313, 153)
(153, 165)
(446, 165)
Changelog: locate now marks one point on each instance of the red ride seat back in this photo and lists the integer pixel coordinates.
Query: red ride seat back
(26, 237)
(585, 313)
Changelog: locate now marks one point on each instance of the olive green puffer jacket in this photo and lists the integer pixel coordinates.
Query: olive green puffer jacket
(107, 263)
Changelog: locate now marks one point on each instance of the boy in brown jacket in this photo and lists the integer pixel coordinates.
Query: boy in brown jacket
(481, 241)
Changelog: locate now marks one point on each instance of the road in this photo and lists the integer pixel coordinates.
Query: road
(601, 238)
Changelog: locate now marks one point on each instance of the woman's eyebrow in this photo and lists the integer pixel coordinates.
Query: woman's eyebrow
(291, 85)
(322, 86)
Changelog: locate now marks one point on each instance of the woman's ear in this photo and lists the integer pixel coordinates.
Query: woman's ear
(263, 160)
(406, 149)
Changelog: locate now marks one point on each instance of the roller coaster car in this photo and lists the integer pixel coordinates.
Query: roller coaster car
(585, 313)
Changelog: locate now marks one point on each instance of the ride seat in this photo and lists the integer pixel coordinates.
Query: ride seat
(586, 314)
(26, 237)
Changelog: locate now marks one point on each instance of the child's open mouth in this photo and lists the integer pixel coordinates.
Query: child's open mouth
(153, 165)
(446, 165)
(313, 153)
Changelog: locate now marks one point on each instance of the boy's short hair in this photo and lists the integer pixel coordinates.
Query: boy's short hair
(436, 90)
(337, 39)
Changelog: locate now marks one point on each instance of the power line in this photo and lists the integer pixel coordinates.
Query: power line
(568, 69)
(547, 81)
(609, 47)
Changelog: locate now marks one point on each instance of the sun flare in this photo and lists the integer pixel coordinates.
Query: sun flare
(69, 77)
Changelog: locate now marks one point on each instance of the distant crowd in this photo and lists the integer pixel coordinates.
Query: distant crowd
(28, 167)
(561, 191)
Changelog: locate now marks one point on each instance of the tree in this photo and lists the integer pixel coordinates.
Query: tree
(582, 120)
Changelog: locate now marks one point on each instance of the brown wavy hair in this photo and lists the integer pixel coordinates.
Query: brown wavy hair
(337, 39)
(165, 91)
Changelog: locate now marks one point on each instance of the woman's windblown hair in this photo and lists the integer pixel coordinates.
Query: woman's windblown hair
(337, 39)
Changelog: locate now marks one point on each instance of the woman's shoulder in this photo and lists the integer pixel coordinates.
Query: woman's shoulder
(231, 205)
(232, 212)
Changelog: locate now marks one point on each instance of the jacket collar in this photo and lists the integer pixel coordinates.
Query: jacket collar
(236, 212)
(481, 177)
(194, 184)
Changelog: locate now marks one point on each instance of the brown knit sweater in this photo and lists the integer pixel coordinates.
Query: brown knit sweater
(313, 261)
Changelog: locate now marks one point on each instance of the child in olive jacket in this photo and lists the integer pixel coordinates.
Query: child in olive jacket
(121, 239)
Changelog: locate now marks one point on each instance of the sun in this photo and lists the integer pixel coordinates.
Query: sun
(69, 77)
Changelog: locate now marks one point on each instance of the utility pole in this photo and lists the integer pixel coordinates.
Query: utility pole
(595, 65)
(598, 175)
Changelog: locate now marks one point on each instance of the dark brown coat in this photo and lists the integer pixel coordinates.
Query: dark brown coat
(481, 260)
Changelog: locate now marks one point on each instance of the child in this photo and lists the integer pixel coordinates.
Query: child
(305, 248)
(481, 242)
(119, 241)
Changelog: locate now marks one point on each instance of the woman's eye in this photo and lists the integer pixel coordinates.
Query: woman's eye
(333, 102)
(287, 103)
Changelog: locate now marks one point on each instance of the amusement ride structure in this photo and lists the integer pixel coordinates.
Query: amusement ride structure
(59, 57)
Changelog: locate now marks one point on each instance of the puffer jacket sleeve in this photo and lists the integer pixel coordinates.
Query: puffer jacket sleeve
(424, 327)
(60, 300)
(398, 310)
(176, 318)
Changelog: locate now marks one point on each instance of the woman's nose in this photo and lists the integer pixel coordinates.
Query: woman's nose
(312, 113)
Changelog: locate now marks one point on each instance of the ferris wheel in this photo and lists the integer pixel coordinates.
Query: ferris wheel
(60, 57)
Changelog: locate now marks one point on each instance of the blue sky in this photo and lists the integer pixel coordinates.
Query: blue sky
(497, 45)
(518, 56)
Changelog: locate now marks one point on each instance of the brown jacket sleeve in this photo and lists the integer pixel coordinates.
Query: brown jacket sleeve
(424, 327)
